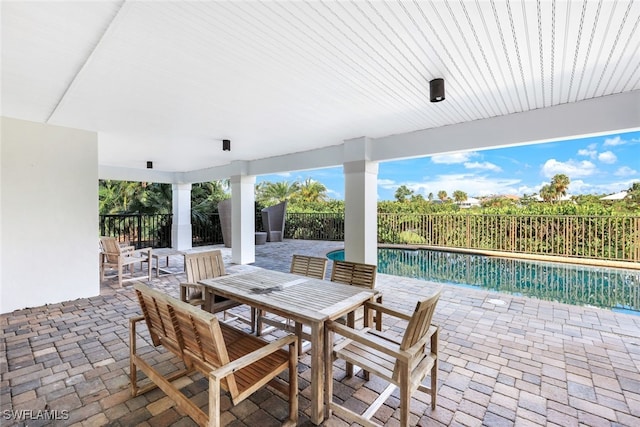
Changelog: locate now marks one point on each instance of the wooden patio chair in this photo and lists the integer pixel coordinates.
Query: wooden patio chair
(404, 362)
(302, 265)
(357, 274)
(122, 257)
(309, 266)
(207, 265)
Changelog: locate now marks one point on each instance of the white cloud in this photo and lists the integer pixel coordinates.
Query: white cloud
(578, 186)
(571, 168)
(607, 157)
(283, 174)
(612, 142)
(588, 153)
(483, 166)
(453, 158)
(333, 194)
(625, 171)
(387, 183)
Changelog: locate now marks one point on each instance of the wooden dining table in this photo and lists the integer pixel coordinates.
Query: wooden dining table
(305, 300)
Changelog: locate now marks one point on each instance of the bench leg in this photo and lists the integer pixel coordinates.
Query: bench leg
(133, 370)
(214, 402)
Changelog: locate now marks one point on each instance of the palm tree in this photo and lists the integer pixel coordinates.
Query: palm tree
(275, 192)
(204, 199)
(152, 198)
(459, 196)
(442, 195)
(312, 191)
(131, 196)
(559, 184)
(109, 201)
(548, 193)
(402, 193)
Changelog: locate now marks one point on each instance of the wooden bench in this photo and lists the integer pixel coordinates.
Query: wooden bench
(231, 359)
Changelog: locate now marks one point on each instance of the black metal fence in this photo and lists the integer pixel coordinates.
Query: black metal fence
(140, 230)
(597, 237)
(206, 231)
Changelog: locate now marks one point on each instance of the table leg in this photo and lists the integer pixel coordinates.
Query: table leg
(317, 373)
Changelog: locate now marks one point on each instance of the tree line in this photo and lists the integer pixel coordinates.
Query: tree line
(553, 191)
(124, 197)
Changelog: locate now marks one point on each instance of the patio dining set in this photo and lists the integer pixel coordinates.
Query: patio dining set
(332, 319)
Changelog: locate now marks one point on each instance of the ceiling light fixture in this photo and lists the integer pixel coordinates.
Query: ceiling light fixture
(149, 165)
(226, 145)
(436, 90)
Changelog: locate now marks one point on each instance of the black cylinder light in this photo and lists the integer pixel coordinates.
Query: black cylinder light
(226, 145)
(436, 90)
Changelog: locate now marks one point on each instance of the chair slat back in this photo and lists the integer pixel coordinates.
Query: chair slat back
(310, 266)
(417, 330)
(204, 265)
(420, 320)
(354, 273)
(110, 248)
(159, 319)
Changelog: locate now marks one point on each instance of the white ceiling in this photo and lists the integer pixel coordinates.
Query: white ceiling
(167, 81)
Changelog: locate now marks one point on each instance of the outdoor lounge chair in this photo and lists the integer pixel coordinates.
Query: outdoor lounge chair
(122, 257)
(273, 219)
(404, 361)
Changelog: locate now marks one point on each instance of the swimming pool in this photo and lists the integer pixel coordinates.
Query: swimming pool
(613, 288)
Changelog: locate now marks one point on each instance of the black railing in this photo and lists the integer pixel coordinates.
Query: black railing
(140, 230)
(615, 238)
(206, 231)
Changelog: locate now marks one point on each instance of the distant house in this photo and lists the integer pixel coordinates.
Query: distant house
(564, 198)
(469, 203)
(616, 196)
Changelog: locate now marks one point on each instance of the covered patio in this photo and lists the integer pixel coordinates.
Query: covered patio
(148, 92)
(524, 362)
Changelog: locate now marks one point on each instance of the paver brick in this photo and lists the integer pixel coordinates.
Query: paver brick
(529, 362)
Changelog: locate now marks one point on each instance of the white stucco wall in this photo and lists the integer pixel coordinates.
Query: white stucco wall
(48, 214)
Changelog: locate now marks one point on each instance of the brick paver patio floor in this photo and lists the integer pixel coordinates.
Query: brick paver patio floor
(517, 362)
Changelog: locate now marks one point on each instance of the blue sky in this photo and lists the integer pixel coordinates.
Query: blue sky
(595, 165)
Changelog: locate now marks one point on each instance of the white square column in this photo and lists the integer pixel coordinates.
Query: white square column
(181, 234)
(360, 211)
(243, 224)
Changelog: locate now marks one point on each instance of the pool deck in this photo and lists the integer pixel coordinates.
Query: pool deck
(504, 361)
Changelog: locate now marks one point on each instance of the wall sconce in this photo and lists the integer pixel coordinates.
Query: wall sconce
(149, 165)
(226, 145)
(436, 90)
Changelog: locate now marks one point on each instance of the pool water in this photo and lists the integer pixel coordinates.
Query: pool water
(613, 288)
